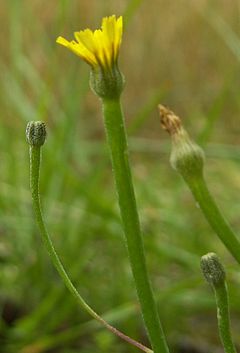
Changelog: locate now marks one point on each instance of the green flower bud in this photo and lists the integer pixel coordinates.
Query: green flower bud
(186, 156)
(212, 269)
(107, 83)
(36, 133)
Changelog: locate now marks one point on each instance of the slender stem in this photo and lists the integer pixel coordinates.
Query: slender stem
(35, 158)
(214, 216)
(116, 136)
(221, 295)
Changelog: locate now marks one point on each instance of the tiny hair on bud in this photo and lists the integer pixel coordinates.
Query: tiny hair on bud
(36, 133)
(212, 269)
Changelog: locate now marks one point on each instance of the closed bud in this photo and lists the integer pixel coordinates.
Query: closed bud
(36, 133)
(212, 269)
(186, 156)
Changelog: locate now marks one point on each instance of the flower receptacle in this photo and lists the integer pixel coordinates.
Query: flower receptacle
(107, 84)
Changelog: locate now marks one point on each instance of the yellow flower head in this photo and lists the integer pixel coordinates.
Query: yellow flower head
(99, 48)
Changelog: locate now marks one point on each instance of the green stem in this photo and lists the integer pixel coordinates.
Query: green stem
(213, 215)
(116, 136)
(221, 295)
(35, 158)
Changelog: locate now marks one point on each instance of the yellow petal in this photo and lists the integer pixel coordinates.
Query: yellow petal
(100, 44)
(86, 39)
(100, 47)
(108, 27)
(62, 41)
(118, 35)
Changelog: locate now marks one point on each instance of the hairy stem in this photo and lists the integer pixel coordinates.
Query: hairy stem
(35, 158)
(116, 136)
(214, 216)
(221, 295)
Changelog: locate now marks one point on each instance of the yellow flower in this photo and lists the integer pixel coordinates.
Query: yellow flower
(99, 48)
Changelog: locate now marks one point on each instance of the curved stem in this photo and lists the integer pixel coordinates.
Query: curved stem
(221, 295)
(116, 136)
(35, 157)
(214, 216)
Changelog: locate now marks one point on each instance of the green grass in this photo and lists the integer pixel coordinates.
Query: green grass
(185, 57)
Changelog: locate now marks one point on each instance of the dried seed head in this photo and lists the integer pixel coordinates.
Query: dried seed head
(169, 121)
(186, 156)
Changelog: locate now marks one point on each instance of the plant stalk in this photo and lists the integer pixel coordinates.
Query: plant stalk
(116, 137)
(214, 216)
(35, 159)
(221, 296)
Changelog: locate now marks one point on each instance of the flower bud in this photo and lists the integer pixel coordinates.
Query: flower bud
(36, 133)
(186, 156)
(212, 269)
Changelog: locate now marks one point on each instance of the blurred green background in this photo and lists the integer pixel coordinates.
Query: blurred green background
(185, 54)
